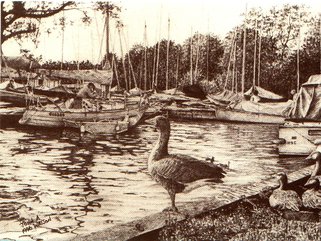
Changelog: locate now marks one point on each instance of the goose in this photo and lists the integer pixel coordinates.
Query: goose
(316, 173)
(173, 171)
(311, 198)
(282, 198)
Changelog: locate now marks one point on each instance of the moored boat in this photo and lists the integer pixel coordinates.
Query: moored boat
(221, 114)
(302, 131)
(54, 115)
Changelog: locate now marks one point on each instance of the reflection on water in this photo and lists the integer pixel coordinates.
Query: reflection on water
(58, 184)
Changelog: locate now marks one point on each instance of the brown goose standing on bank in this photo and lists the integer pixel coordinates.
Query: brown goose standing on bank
(282, 198)
(173, 171)
(316, 173)
(311, 198)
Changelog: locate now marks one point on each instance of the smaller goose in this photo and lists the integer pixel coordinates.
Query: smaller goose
(311, 198)
(282, 198)
(316, 173)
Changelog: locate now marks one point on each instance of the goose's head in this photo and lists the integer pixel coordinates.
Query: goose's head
(313, 183)
(282, 179)
(160, 122)
(314, 156)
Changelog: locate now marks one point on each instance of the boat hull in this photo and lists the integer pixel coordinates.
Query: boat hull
(46, 117)
(298, 139)
(20, 98)
(222, 114)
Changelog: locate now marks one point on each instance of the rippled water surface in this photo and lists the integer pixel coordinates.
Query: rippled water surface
(67, 185)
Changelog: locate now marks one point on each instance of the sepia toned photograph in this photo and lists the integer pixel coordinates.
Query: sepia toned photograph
(160, 120)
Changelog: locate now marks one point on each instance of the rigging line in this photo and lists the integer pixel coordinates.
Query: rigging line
(101, 44)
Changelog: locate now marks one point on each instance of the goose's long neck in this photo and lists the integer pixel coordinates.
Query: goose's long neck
(283, 184)
(161, 147)
(317, 169)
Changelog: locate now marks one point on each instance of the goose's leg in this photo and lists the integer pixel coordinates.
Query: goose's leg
(173, 208)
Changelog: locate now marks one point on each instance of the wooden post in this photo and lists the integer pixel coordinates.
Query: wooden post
(145, 59)
(191, 57)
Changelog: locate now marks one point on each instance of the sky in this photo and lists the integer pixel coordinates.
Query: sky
(81, 42)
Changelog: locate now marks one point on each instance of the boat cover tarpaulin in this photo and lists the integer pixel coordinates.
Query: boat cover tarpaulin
(95, 76)
(272, 108)
(264, 94)
(308, 103)
(225, 97)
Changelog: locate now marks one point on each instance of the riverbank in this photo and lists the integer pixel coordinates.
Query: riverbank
(148, 228)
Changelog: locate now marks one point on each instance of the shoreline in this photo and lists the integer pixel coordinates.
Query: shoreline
(149, 226)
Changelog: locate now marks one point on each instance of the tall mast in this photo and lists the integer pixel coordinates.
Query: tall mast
(259, 60)
(107, 35)
(234, 64)
(145, 59)
(298, 56)
(320, 42)
(229, 60)
(254, 58)
(244, 46)
(197, 56)
(119, 25)
(167, 54)
(191, 57)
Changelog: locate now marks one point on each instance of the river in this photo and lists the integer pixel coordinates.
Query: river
(55, 184)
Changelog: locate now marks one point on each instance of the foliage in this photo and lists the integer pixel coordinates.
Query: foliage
(246, 221)
(20, 19)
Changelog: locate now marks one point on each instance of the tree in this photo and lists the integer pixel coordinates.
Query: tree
(21, 19)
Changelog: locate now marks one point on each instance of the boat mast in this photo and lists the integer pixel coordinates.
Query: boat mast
(259, 60)
(107, 36)
(244, 47)
(167, 53)
(145, 57)
(298, 56)
(229, 60)
(254, 58)
(233, 67)
(197, 56)
(320, 42)
(119, 26)
(191, 57)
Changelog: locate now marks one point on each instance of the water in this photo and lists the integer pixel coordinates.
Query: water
(66, 185)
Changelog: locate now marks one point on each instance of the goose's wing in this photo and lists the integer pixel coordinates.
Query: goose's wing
(312, 199)
(186, 169)
(285, 199)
